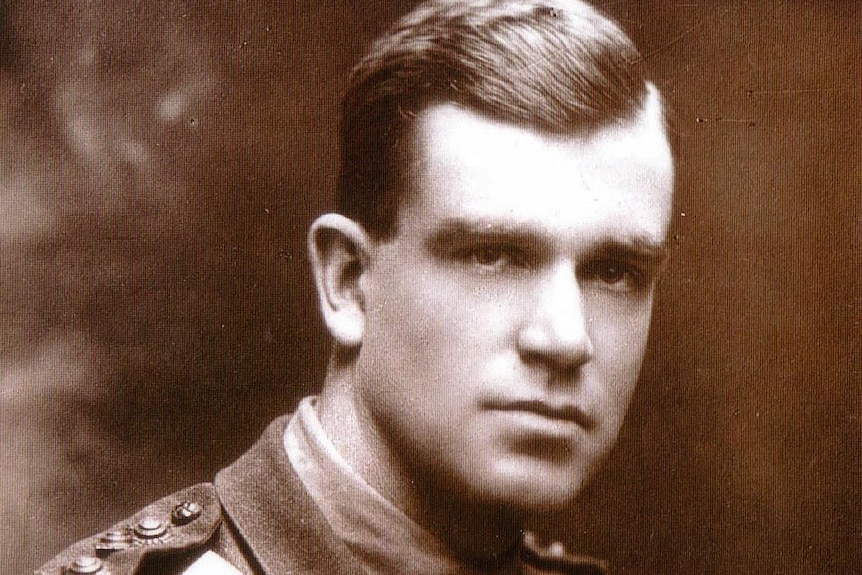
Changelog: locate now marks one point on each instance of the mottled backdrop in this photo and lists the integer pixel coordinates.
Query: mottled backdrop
(159, 165)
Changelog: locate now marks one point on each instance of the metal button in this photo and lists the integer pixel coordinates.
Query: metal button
(86, 564)
(116, 540)
(186, 512)
(150, 528)
(116, 536)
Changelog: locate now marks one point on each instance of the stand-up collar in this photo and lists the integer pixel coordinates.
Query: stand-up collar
(382, 538)
(287, 534)
(280, 523)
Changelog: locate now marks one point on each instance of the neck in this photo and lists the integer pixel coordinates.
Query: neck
(483, 534)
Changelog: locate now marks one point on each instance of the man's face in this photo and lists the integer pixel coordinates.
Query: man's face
(507, 319)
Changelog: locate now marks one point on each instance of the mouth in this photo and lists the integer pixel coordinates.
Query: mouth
(562, 413)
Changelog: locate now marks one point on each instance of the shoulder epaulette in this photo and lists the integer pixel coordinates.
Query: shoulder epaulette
(553, 558)
(180, 522)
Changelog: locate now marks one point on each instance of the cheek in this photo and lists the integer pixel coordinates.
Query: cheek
(619, 329)
(435, 340)
(412, 330)
(620, 344)
(446, 314)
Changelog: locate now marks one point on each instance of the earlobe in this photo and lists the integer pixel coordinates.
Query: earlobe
(339, 251)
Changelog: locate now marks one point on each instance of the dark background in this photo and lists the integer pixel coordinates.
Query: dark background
(160, 163)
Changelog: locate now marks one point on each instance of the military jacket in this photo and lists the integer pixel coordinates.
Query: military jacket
(255, 518)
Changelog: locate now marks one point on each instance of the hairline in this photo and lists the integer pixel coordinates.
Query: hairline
(368, 102)
(405, 159)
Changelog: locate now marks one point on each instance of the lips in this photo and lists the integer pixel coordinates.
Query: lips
(564, 412)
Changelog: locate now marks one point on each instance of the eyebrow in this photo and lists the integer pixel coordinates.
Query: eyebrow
(639, 247)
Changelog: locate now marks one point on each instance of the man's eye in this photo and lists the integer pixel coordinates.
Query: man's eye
(488, 255)
(617, 276)
(611, 273)
(492, 257)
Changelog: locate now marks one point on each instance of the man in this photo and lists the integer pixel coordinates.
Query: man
(504, 198)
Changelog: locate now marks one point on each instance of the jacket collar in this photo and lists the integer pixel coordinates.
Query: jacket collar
(287, 534)
(275, 516)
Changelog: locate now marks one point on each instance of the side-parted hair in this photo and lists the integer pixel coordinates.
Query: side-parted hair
(559, 67)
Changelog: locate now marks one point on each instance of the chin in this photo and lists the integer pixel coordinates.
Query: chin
(534, 488)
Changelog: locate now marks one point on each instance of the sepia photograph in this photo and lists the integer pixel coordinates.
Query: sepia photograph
(438, 287)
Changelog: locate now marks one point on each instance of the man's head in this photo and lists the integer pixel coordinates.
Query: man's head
(555, 67)
(507, 184)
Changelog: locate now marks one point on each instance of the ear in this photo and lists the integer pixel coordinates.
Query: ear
(339, 250)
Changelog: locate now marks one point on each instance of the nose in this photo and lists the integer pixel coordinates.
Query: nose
(556, 331)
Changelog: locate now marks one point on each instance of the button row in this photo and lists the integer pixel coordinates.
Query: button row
(148, 531)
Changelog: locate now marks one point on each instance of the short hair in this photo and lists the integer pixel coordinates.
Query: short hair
(558, 67)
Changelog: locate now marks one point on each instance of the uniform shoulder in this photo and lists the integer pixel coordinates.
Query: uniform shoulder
(538, 558)
(176, 525)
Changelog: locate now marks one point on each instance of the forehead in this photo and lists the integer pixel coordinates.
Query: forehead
(469, 167)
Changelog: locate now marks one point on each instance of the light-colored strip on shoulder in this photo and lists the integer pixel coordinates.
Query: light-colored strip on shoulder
(210, 563)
